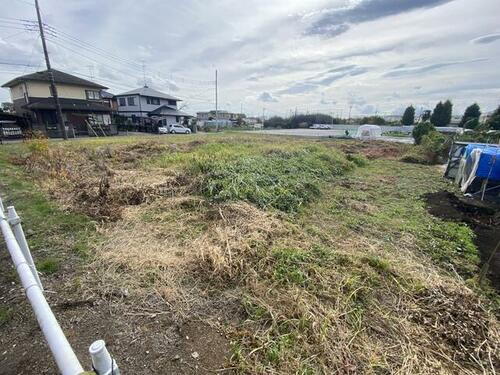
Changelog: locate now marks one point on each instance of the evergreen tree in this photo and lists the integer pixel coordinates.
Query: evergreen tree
(409, 116)
(472, 112)
(437, 114)
(441, 116)
(447, 110)
(494, 120)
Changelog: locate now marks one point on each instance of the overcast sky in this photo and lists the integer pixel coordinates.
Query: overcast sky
(376, 56)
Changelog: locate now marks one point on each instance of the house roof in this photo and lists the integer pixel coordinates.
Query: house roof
(59, 77)
(106, 95)
(168, 110)
(67, 105)
(148, 91)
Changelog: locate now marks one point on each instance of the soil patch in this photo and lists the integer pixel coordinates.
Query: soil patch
(482, 218)
(375, 149)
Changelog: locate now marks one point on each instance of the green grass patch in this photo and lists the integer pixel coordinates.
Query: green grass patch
(48, 266)
(5, 315)
(282, 179)
(271, 175)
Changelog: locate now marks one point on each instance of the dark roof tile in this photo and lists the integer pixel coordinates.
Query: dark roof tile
(59, 77)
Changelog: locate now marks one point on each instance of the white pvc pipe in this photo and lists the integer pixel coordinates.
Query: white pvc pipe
(101, 359)
(15, 223)
(66, 360)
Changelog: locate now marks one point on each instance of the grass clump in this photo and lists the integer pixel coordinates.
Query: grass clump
(5, 315)
(285, 180)
(358, 159)
(48, 266)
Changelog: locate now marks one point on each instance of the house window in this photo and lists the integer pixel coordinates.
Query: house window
(122, 101)
(172, 102)
(93, 94)
(154, 101)
(131, 101)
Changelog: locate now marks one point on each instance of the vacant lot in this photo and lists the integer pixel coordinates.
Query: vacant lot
(244, 254)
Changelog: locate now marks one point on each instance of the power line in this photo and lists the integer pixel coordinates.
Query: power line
(56, 32)
(13, 35)
(26, 2)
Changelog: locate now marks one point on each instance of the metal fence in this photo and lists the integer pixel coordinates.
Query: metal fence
(66, 360)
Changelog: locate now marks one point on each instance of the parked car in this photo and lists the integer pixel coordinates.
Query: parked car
(179, 129)
(163, 129)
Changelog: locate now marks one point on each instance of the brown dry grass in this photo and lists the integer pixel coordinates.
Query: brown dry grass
(312, 295)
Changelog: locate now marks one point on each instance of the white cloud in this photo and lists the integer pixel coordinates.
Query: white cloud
(267, 98)
(425, 51)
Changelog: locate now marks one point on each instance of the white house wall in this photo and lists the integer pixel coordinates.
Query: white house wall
(129, 108)
(141, 106)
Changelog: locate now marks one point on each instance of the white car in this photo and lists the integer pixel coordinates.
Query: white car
(179, 129)
(163, 130)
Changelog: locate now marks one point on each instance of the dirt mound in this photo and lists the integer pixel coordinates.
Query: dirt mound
(374, 149)
(482, 218)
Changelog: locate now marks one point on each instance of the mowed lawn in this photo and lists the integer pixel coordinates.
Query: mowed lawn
(261, 254)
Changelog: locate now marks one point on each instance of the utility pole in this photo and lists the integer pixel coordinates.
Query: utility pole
(53, 89)
(350, 109)
(216, 104)
(263, 121)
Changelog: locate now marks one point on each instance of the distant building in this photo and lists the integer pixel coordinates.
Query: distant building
(146, 103)
(251, 121)
(221, 115)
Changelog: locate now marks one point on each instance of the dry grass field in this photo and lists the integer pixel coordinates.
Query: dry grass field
(237, 253)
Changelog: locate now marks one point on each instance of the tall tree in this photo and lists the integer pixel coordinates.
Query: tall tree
(409, 116)
(437, 114)
(447, 110)
(471, 113)
(441, 116)
(494, 120)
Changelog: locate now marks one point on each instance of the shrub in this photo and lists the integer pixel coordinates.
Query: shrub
(433, 149)
(358, 159)
(420, 130)
(38, 145)
(435, 145)
(481, 134)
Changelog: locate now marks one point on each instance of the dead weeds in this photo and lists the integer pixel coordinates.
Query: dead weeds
(374, 149)
(460, 321)
(297, 300)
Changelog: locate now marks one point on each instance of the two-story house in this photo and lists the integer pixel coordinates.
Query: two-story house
(146, 103)
(81, 101)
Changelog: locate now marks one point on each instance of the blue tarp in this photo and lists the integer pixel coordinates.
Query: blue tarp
(489, 161)
(473, 146)
(489, 164)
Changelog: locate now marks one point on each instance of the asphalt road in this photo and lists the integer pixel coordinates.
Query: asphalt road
(320, 133)
(325, 133)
